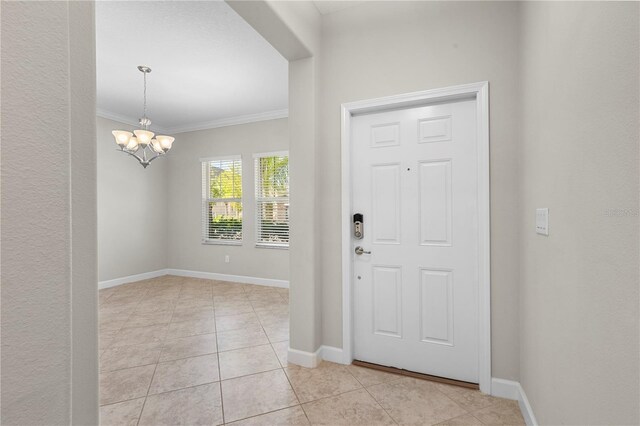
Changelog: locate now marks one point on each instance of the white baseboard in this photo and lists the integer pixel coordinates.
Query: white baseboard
(226, 277)
(132, 278)
(194, 274)
(511, 389)
(525, 408)
(332, 354)
(312, 359)
(502, 388)
(304, 359)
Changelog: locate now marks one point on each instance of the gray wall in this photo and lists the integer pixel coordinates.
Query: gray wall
(579, 157)
(132, 209)
(385, 48)
(185, 250)
(49, 272)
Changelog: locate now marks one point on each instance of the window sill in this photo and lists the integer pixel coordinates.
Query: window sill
(221, 243)
(271, 246)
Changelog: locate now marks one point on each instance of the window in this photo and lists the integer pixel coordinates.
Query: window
(222, 200)
(272, 199)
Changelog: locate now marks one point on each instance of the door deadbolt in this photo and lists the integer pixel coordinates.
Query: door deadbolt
(359, 251)
(358, 227)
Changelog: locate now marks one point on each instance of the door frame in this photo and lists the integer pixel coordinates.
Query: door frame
(479, 91)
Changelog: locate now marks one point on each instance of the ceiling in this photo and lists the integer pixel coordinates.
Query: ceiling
(209, 67)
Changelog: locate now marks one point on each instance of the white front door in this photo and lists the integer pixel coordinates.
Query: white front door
(414, 174)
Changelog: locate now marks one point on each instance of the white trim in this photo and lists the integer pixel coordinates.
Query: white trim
(195, 274)
(481, 93)
(221, 158)
(271, 154)
(526, 409)
(270, 282)
(513, 390)
(311, 360)
(347, 315)
(231, 121)
(505, 388)
(484, 238)
(132, 278)
(212, 242)
(127, 120)
(332, 354)
(304, 359)
(204, 125)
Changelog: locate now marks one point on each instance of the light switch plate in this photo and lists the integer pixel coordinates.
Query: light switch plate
(542, 221)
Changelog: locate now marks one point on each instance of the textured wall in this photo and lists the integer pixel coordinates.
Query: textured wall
(49, 279)
(132, 209)
(385, 48)
(184, 185)
(579, 157)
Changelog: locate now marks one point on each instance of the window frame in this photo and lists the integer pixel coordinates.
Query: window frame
(258, 199)
(206, 190)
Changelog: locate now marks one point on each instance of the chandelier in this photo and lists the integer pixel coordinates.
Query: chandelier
(143, 146)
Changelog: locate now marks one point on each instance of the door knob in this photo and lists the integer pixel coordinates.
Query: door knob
(360, 250)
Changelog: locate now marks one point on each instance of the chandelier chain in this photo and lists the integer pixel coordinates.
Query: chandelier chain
(144, 74)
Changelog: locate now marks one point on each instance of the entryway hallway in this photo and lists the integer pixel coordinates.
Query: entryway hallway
(179, 350)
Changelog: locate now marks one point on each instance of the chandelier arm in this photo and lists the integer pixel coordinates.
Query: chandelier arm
(154, 157)
(133, 155)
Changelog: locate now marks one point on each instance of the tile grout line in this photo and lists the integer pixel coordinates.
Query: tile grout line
(124, 322)
(330, 396)
(373, 397)
(193, 356)
(161, 362)
(462, 415)
(144, 403)
(244, 293)
(156, 367)
(164, 392)
(268, 412)
(295, 393)
(215, 327)
(281, 368)
(376, 401)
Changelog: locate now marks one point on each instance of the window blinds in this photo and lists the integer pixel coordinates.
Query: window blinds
(222, 200)
(272, 199)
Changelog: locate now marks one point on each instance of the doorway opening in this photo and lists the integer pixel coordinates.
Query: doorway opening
(193, 249)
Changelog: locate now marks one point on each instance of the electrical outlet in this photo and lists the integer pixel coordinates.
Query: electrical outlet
(542, 221)
(226, 259)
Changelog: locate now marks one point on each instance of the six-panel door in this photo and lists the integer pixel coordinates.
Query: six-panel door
(416, 295)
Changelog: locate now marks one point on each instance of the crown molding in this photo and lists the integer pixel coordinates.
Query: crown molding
(126, 120)
(204, 125)
(231, 121)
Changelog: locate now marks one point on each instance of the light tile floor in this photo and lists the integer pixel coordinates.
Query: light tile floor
(184, 351)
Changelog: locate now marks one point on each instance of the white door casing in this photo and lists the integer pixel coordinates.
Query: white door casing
(416, 166)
